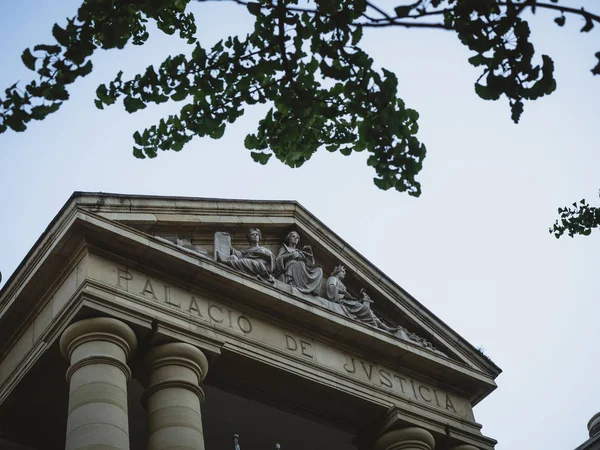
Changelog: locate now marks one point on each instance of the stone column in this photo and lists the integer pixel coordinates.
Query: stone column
(173, 397)
(97, 350)
(412, 438)
(464, 447)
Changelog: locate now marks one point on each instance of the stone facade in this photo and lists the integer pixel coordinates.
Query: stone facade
(162, 323)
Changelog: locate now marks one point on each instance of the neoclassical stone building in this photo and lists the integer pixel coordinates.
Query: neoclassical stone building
(139, 322)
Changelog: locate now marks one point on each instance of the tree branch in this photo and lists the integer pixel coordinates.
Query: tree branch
(397, 23)
(562, 9)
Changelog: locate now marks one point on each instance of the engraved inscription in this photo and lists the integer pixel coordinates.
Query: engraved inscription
(404, 385)
(320, 354)
(199, 308)
(298, 345)
(123, 278)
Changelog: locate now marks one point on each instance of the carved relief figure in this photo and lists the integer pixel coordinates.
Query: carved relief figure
(297, 267)
(255, 260)
(359, 309)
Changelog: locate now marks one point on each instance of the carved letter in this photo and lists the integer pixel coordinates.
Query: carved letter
(244, 324)
(148, 289)
(210, 308)
(370, 372)
(168, 297)
(428, 400)
(412, 383)
(229, 316)
(123, 274)
(449, 404)
(353, 367)
(290, 343)
(400, 379)
(194, 307)
(436, 397)
(304, 347)
(384, 378)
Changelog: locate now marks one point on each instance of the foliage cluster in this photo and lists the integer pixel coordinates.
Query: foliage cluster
(303, 59)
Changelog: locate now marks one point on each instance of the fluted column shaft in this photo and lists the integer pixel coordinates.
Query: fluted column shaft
(412, 438)
(173, 397)
(97, 350)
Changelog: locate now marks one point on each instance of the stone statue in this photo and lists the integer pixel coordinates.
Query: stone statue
(359, 309)
(255, 260)
(297, 267)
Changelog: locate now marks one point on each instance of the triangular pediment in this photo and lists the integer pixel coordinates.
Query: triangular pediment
(191, 225)
(365, 310)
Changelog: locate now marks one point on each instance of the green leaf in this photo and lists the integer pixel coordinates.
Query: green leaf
(51, 49)
(254, 8)
(218, 132)
(589, 24)
(403, 11)
(382, 184)
(485, 92)
(261, 157)
(61, 36)
(478, 60)
(28, 59)
(102, 94)
(179, 95)
(133, 104)
(138, 153)
(251, 142)
(517, 110)
(357, 35)
(41, 111)
(596, 69)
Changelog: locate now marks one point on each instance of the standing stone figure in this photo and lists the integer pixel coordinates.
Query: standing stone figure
(359, 309)
(297, 267)
(255, 260)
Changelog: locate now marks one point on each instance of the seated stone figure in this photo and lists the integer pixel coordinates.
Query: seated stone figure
(359, 309)
(255, 260)
(297, 267)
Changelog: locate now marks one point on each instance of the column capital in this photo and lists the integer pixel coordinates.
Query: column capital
(97, 329)
(593, 425)
(412, 438)
(179, 353)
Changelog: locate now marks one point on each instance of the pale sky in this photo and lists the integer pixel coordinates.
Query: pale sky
(474, 248)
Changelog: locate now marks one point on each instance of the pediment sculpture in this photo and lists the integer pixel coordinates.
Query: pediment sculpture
(295, 269)
(254, 260)
(357, 308)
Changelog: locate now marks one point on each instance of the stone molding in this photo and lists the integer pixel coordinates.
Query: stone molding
(97, 329)
(98, 359)
(179, 353)
(464, 447)
(412, 438)
(593, 425)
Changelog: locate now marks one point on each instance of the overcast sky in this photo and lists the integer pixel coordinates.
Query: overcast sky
(474, 248)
